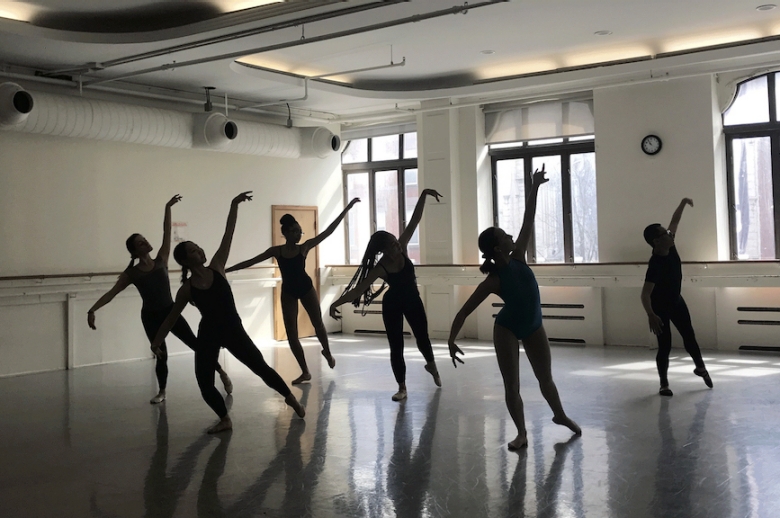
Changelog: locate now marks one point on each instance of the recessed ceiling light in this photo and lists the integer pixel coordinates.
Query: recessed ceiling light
(603, 33)
(766, 7)
(487, 52)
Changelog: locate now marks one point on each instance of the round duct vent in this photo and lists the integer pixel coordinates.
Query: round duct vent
(15, 104)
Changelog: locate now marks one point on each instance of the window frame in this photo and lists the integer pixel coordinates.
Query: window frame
(527, 153)
(371, 167)
(771, 130)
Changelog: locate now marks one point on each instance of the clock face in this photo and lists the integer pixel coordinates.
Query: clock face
(651, 144)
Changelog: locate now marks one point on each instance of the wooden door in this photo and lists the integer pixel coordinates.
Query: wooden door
(307, 218)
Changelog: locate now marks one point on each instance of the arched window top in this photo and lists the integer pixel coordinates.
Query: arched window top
(752, 103)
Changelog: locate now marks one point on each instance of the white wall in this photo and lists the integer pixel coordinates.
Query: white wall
(67, 206)
(634, 189)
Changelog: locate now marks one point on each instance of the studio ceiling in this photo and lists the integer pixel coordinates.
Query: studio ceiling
(449, 51)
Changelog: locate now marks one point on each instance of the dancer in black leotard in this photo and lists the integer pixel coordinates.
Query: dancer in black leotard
(220, 325)
(402, 298)
(150, 276)
(297, 285)
(510, 278)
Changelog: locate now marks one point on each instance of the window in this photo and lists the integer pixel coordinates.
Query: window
(566, 225)
(382, 172)
(752, 132)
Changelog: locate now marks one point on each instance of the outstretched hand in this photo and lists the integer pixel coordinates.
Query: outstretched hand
(173, 201)
(538, 178)
(334, 313)
(656, 324)
(687, 201)
(91, 320)
(244, 196)
(454, 351)
(434, 193)
(352, 203)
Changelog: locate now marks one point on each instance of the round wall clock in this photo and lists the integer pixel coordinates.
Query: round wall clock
(651, 144)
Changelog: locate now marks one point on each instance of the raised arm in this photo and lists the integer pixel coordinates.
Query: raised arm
(411, 226)
(121, 283)
(485, 288)
(165, 248)
(221, 256)
(268, 254)
(521, 243)
(357, 291)
(319, 238)
(678, 214)
(182, 298)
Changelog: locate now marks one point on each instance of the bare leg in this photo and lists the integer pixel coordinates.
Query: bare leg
(290, 317)
(508, 356)
(311, 303)
(537, 348)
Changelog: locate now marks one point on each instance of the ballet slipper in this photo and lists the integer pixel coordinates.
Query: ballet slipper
(300, 379)
(329, 357)
(159, 398)
(568, 423)
(223, 425)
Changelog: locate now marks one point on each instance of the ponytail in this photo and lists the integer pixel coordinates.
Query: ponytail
(180, 255)
(487, 243)
(184, 274)
(130, 245)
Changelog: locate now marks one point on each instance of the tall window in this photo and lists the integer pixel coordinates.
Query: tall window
(382, 172)
(566, 227)
(752, 129)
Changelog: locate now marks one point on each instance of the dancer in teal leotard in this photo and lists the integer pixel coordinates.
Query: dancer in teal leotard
(510, 278)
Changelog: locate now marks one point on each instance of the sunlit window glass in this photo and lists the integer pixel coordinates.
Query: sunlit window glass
(386, 187)
(411, 195)
(753, 200)
(751, 104)
(384, 148)
(549, 212)
(356, 152)
(359, 218)
(585, 228)
(510, 195)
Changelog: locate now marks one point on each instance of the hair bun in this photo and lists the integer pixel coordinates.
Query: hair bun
(287, 220)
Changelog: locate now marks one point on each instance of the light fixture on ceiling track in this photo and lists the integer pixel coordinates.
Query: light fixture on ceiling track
(766, 7)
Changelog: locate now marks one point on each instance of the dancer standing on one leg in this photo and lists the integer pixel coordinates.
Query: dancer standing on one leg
(220, 325)
(663, 301)
(510, 278)
(150, 276)
(402, 298)
(297, 285)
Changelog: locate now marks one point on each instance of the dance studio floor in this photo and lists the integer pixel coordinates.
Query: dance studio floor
(86, 442)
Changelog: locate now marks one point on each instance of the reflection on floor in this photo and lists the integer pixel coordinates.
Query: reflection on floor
(87, 443)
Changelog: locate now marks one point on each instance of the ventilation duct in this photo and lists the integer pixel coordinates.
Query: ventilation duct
(213, 130)
(67, 116)
(15, 104)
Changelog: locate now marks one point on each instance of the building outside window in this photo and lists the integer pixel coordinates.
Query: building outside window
(382, 172)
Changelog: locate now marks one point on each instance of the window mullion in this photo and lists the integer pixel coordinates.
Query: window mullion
(731, 199)
(775, 151)
(372, 195)
(772, 98)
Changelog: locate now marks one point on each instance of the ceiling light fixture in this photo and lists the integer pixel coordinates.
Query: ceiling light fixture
(487, 52)
(766, 7)
(603, 33)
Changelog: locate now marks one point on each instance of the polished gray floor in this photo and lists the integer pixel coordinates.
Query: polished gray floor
(87, 443)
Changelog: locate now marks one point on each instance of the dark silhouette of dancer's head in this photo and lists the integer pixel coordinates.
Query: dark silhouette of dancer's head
(494, 242)
(138, 246)
(188, 254)
(291, 229)
(657, 236)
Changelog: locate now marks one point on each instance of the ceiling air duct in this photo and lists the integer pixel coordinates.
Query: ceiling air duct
(15, 104)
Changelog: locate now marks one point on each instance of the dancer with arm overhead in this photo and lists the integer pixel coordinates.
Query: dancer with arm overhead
(510, 278)
(150, 276)
(662, 298)
(402, 298)
(220, 326)
(297, 285)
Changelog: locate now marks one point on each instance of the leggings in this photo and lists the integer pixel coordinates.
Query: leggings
(396, 305)
(152, 320)
(231, 336)
(677, 313)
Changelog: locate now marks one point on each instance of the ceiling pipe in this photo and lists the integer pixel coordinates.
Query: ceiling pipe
(294, 43)
(88, 67)
(306, 79)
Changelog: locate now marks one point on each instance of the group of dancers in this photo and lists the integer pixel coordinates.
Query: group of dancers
(386, 258)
